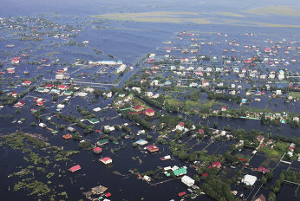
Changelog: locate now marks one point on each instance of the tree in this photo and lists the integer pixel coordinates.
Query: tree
(183, 155)
(269, 175)
(272, 196)
(215, 125)
(97, 92)
(263, 180)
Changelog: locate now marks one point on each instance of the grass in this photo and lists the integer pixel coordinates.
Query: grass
(294, 94)
(159, 74)
(275, 10)
(278, 151)
(274, 155)
(175, 102)
(190, 103)
(161, 16)
(207, 18)
(230, 14)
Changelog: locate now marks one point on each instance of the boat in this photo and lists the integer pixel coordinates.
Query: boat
(165, 158)
(181, 194)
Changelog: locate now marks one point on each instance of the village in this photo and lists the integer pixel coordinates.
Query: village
(156, 123)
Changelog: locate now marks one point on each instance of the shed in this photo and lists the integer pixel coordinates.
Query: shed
(181, 194)
(97, 109)
(71, 129)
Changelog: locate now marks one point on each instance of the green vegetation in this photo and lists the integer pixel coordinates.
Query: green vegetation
(39, 155)
(295, 94)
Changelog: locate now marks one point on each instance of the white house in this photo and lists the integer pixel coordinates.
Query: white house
(249, 180)
(187, 180)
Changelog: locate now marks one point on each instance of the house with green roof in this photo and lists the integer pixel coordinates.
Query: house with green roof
(102, 142)
(94, 121)
(68, 93)
(180, 171)
(41, 89)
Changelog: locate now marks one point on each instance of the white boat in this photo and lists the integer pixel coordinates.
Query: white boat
(168, 157)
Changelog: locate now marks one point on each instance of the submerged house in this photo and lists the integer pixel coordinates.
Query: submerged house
(138, 108)
(249, 180)
(180, 171)
(19, 104)
(75, 168)
(97, 150)
(26, 83)
(187, 180)
(141, 142)
(94, 121)
(102, 142)
(261, 197)
(149, 112)
(106, 160)
(152, 148)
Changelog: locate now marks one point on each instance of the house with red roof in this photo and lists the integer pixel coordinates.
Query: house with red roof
(261, 197)
(248, 61)
(152, 148)
(199, 73)
(149, 112)
(180, 126)
(107, 195)
(19, 104)
(106, 160)
(14, 94)
(15, 61)
(260, 138)
(97, 150)
(138, 108)
(11, 71)
(292, 146)
(49, 86)
(262, 169)
(224, 109)
(200, 131)
(62, 87)
(26, 83)
(75, 168)
(215, 165)
(268, 50)
(39, 103)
